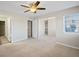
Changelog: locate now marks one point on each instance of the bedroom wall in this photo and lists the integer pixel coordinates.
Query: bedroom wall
(51, 27)
(34, 28)
(68, 39)
(18, 26)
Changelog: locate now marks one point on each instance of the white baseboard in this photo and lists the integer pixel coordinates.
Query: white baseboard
(18, 40)
(67, 45)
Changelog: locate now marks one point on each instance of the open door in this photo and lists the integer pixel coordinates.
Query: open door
(29, 29)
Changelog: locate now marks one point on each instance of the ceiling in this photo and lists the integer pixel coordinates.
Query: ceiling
(51, 6)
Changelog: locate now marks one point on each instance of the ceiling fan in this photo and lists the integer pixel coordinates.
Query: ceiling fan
(33, 7)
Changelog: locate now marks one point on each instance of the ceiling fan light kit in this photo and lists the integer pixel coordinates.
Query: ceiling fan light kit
(33, 7)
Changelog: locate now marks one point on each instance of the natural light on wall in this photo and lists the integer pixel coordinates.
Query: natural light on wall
(71, 23)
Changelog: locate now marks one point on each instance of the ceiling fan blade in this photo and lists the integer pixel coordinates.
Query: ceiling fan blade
(37, 3)
(25, 6)
(41, 8)
(26, 11)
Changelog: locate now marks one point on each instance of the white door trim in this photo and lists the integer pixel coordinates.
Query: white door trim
(7, 20)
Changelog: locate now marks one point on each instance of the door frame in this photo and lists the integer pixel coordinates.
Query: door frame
(7, 20)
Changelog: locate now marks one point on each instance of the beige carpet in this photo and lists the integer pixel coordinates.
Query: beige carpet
(3, 40)
(37, 48)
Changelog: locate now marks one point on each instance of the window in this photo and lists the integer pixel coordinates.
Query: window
(72, 23)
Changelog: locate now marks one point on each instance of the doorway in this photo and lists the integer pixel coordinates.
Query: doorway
(5, 36)
(46, 27)
(29, 29)
(2, 28)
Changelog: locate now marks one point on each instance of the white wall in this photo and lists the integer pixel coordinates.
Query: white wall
(18, 25)
(71, 39)
(34, 28)
(19, 28)
(38, 28)
(41, 28)
(51, 27)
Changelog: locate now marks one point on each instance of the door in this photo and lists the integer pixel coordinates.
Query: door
(29, 29)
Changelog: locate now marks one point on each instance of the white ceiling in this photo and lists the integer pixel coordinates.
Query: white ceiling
(51, 6)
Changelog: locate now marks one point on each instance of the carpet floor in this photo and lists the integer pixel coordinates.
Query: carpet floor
(37, 48)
